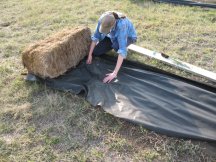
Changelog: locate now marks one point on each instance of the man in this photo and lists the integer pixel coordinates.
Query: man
(114, 31)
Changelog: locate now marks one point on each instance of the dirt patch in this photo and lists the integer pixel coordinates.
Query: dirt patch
(5, 24)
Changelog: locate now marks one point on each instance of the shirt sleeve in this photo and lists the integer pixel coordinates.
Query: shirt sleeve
(96, 36)
(122, 40)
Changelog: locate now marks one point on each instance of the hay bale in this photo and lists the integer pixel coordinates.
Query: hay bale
(55, 55)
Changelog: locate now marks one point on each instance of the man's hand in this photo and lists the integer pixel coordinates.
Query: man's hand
(109, 77)
(89, 60)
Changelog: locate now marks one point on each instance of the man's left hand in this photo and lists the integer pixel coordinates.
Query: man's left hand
(109, 77)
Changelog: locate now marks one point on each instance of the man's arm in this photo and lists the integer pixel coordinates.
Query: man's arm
(89, 60)
(122, 52)
(109, 77)
(95, 38)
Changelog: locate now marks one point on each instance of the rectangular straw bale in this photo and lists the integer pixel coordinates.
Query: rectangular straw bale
(55, 55)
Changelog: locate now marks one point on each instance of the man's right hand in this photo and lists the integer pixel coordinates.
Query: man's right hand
(89, 60)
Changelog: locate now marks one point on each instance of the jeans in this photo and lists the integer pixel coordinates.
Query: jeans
(106, 45)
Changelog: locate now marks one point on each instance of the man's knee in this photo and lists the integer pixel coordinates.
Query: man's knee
(97, 52)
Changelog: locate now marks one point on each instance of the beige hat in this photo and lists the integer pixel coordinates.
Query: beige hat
(107, 23)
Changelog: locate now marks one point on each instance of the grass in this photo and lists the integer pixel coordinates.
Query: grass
(41, 124)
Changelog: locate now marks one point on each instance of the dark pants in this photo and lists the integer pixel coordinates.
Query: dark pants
(103, 47)
(106, 45)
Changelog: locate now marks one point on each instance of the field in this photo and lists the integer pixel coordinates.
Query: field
(41, 124)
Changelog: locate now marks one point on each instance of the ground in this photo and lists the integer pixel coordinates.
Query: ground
(41, 124)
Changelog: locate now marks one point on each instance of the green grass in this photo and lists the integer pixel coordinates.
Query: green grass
(40, 124)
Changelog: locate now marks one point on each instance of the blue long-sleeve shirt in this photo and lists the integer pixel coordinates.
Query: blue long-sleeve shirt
(121, 35)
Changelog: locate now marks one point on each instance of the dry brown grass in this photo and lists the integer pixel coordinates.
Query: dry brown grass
(40, 124)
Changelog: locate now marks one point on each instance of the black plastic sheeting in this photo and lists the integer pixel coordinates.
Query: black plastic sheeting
(162, 102)
(188, 3)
